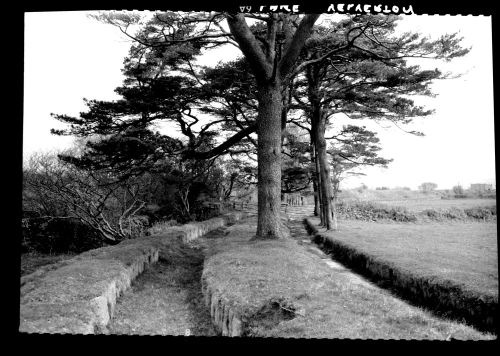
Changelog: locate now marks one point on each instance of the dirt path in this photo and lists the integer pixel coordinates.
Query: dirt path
(166, 299)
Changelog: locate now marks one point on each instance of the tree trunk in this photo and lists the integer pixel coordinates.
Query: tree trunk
(320, 191)
(324, 173)
(316, 198)
(269, 224)
(312, 150)
(270, 67)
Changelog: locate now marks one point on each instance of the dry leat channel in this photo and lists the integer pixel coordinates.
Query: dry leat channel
(167, 299)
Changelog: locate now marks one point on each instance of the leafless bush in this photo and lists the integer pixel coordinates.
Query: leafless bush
(54, 189)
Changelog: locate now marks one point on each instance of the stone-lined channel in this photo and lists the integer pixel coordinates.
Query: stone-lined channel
(167, 299)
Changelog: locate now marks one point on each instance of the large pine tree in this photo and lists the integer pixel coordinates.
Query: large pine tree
(163, 84)
(368, 78)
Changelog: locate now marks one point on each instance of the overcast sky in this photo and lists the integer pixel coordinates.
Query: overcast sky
(69, 57)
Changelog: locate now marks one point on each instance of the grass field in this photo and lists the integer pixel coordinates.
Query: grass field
(464, 252)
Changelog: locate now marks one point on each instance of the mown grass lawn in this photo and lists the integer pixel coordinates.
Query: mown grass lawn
(462, 252)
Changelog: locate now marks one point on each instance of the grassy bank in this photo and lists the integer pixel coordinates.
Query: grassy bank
(279, 289)
(32, 261)
(451, 268)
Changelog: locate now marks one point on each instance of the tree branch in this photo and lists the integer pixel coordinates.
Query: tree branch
(293, 50)
(261, 68)
(217, 151)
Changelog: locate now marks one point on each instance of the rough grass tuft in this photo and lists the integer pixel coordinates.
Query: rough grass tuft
(271, 315)
(160, 226)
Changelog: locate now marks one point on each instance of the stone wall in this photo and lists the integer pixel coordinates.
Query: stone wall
(79, 295)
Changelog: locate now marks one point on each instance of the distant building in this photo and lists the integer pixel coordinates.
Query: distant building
(481, 187)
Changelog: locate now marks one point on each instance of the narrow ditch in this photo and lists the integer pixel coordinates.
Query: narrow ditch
(167, 299)
(442, 299)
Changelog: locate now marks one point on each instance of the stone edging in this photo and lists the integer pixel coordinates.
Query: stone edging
(442, 296)
(225, 318)
(79, 296)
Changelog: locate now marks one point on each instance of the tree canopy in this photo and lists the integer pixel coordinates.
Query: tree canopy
(291, 71)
